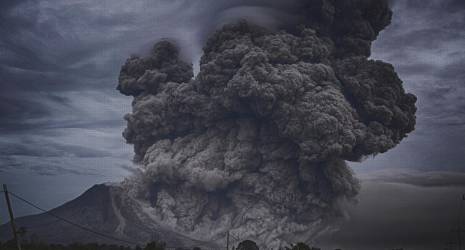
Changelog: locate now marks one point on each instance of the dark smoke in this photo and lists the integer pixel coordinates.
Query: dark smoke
(257, 142)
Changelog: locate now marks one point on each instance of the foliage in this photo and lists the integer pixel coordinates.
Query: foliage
(155, 246)
(247, 245)
(33, 245)
(301, 246)
(37, 245)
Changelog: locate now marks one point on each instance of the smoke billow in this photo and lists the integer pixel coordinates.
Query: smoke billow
(256, 143)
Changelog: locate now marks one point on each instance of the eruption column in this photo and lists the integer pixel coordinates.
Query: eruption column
(256, 143)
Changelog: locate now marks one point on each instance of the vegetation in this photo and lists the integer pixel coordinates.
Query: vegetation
(244, 245)
(302, 246)
(155, 246)
(11, 245)
(247, 245)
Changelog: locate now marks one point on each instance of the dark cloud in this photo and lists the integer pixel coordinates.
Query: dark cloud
(453, 72)
(58, 47)
(10, 20)
(53, 52)
(43, 127)
(266, 124)
(56, 170)
(12, 108)
(49, 149)
(37, 166)
(45, 56)
(425, 44)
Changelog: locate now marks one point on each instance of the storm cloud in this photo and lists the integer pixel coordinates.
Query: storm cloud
(425, 44)
(52, 50)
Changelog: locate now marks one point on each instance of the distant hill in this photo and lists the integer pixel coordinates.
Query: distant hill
(102, 208)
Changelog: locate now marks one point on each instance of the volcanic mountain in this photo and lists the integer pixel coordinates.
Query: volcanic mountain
(101, 209)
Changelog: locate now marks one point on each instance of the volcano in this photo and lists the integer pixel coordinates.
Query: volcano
(104, 208)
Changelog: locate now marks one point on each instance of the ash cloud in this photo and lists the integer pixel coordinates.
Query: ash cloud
(256, 143)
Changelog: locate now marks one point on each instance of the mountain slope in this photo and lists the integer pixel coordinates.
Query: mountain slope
(105, 209)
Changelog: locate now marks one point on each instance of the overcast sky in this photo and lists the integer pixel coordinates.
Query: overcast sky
(61, 117)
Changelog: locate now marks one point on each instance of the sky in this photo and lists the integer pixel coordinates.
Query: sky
(61, 118)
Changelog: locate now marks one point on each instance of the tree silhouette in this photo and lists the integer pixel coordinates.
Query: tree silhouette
(247, 245)
(301, 246)
(155, 246)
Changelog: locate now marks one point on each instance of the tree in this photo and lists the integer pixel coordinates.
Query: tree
(301, 246)
(155, 246)
(247, 245)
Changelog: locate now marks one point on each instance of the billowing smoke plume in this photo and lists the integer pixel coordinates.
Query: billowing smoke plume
(256, 143)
